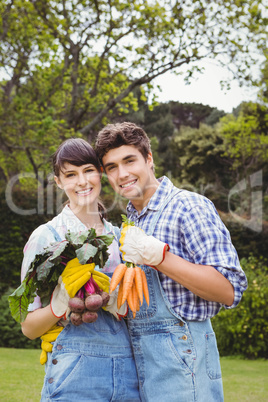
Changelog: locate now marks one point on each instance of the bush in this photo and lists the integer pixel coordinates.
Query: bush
(10, 331)
(244, 330)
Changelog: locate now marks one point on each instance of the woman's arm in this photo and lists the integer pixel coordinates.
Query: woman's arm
(38, 322)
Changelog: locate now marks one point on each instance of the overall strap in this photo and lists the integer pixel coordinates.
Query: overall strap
(54, 232)
(159, 212)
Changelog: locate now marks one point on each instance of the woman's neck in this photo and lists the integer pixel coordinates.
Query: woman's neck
(91, 219)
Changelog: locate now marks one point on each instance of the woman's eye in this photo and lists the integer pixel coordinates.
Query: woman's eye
(70, 175)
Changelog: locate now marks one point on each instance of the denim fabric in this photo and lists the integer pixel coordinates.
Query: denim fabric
(92, 362)
(177, 360)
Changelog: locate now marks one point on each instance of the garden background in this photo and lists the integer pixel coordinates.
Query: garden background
(68, 68)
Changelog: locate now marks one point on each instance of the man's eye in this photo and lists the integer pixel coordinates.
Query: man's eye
(110, 168)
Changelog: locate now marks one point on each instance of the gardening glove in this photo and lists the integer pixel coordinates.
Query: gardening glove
(139, 248)
(103, 281)
(74, 276)
(118, 313)
(46, 345)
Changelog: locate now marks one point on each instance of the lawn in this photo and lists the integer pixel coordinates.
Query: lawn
(22, 377)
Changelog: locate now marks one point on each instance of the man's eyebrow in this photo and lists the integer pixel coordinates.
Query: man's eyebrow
(124, 159)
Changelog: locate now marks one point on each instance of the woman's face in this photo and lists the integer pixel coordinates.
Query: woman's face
(82, 185)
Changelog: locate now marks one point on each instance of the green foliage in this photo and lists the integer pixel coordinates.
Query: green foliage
(70, 68)
(10, 331)
(246, 137)
(15, 231)
(244, 330)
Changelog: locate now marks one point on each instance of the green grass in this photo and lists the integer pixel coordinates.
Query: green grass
(22, 377)
(244, 380)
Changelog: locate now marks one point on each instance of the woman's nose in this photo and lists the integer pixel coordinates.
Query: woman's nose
(82, 179)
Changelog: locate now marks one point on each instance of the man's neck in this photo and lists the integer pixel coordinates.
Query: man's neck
(140, 202)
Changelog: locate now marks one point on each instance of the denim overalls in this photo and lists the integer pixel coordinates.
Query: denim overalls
(92, 362)
(177, 360)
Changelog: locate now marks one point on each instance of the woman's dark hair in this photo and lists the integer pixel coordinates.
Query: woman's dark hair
(77, 152)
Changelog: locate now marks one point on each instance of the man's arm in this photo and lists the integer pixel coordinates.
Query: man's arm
(202, 280)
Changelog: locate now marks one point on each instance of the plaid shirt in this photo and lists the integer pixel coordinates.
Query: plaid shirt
(194, 231)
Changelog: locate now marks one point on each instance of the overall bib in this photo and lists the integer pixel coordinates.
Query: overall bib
(177, 360)
(92, 362)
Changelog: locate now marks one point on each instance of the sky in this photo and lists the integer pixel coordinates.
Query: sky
(205, 89)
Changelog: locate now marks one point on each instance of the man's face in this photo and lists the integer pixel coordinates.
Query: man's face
(130, 174)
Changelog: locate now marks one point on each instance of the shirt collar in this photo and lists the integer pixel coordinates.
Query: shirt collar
(154, 204)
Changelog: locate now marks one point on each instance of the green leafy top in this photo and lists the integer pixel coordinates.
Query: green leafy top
(126, 221)
(43, 273)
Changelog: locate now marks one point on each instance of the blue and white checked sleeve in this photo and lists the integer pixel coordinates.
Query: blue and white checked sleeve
(209, 243)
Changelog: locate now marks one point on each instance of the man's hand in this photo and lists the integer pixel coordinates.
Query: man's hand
(139, 248)
(46, 345)
(74, 276)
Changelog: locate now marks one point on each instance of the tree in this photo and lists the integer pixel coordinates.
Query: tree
(71, 66)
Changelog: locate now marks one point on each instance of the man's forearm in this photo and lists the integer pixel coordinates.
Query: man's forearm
(202, 280)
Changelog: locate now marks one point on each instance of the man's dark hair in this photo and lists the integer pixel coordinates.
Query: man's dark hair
(126, 133)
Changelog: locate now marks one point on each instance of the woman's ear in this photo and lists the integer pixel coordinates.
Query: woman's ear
(57, 180)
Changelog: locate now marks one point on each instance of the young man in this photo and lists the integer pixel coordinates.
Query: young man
(192, 270)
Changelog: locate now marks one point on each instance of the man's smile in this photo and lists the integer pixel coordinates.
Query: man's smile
(129, 184)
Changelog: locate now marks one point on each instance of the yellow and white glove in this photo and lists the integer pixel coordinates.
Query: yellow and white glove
(139, 248)
(103, 281)
(46, 345)
(74, 276)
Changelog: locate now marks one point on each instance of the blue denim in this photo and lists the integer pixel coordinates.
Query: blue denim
(177, 360)
(92, 362)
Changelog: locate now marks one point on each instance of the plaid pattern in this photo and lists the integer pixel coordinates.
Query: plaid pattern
(194, 231)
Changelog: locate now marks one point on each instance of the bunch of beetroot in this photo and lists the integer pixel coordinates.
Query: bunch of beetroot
(87, 302)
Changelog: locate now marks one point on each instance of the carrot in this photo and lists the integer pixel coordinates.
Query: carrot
(145, 287)
(127, 283)
(135, 299)
(118, 274)
(120, 295)
(130, 300)
(138, 282)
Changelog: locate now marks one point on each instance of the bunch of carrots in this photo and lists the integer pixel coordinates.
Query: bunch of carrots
(132, 286)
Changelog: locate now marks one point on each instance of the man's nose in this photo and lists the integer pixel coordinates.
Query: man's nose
(122, 171)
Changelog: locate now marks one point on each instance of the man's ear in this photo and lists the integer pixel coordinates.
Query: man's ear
(57, 180)
(150, 159)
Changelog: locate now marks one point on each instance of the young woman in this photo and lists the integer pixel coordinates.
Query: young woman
(90, 362)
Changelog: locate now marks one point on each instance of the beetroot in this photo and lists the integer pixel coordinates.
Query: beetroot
(93, 302)
(89, 316)
(88, 300)
(77, 305)
(76, 319)
(105, 298)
